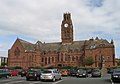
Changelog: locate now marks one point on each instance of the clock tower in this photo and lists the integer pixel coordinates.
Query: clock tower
(67, 29)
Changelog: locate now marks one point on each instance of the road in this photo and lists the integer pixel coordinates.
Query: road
(66, 80)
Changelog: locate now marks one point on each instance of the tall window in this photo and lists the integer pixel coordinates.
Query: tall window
(76, 58)
(73, 58)
(45, 60)
(42, 59)
(49, 60)
(52, 59)
(17, 52)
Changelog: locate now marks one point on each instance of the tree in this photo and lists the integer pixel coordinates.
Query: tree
(88, 61)
(3, 64)
(118, 63)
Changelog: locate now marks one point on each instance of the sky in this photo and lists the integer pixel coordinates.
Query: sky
(34, 20)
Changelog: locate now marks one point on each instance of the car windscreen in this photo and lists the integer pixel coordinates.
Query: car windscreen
(32, 71)
(46, 72)
(117, 71)
(96, 70)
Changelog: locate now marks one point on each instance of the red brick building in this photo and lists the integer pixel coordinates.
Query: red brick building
(65, 53)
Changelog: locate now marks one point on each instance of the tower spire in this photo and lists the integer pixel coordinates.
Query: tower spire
(67, 29)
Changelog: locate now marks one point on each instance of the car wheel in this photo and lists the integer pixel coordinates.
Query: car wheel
(7, 76)
(38, 78)
(60, 78)
(53, 79)
(27, 79)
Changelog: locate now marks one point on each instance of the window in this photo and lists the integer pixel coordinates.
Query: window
(76, 58)
(42, 59)
(108, 58)
(68, 57)
(73, 58)
(45, 60)
(52, 59)
(49, 60)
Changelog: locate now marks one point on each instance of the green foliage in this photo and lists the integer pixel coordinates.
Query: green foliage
(67, 67)
(3, 64)
(118, 63)
(50, 67)
(17, 67)
(88, 61)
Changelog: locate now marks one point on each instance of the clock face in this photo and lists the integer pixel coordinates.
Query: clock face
(65, 25)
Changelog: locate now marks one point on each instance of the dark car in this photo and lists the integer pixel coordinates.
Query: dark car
(81, 73)
(89, 71)
(115, 76)
(110, 71)
(4, 73)
(96, 73)
(24, 72)
(73, 72)
(33, 75)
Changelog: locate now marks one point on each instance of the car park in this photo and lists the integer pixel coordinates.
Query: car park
(115, 76)
(33, 75)
(50, 74)
(96, 73)
(81, 73)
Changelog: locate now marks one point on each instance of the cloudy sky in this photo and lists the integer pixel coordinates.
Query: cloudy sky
(33, 20)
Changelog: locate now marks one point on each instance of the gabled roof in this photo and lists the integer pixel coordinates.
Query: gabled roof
(27, 45)
(97, 43)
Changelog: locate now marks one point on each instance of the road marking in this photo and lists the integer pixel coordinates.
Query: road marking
(112, 82)
(58, 82)
(34, 82)
(14, 82)
(7, 80)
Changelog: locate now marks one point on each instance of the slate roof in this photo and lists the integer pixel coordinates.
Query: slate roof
(90, 44)
(57, 46)
(27, 45)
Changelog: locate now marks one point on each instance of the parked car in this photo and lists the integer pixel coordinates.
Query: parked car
(13, 72)
(115, 76)
(96, 73)
(33, 74)
(73, 72)
(50, 75)
(110, 71)
(81, 73)
(24, 72)
(4, 73)
(64, 72)
(89, 71)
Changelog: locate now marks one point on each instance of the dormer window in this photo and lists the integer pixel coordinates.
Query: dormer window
(102, 45)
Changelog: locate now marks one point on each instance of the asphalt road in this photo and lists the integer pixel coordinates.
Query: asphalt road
(66, 80)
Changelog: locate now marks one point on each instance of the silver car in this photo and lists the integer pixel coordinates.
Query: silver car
(50, 74)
